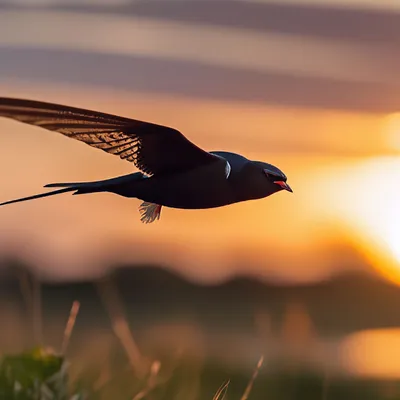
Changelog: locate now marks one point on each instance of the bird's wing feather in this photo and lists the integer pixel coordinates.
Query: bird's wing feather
(154, 149)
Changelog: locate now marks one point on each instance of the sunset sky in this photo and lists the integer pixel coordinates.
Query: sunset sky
(310, 86)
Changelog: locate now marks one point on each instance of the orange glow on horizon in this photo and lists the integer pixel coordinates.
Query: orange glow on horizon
(366, 197)
(280, 235)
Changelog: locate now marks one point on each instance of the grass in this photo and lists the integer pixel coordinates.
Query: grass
(120, 367)
(43, 373)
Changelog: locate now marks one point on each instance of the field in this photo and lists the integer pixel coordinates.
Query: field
(93, 340)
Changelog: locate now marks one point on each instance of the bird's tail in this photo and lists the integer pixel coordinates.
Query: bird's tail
(65, 185)
(98, 186)
(82, 187)
(38, 196)
(77, 187)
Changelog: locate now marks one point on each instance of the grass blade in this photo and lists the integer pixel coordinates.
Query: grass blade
(221, 392)
(253, 378)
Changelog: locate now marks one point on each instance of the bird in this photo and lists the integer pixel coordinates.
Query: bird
(173, 171)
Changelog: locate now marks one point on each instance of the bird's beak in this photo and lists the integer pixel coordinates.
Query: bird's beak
(284, 186)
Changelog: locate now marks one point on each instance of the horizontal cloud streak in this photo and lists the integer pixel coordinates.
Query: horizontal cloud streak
(319, 18)
(174, 77)
(224, 47)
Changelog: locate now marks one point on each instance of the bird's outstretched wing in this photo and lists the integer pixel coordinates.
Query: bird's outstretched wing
(154, 149)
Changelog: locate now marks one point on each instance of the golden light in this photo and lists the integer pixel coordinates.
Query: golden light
(372, 353)
(366, 196)
(392, 129)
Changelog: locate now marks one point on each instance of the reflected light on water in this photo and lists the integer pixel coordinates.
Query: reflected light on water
(374, 353)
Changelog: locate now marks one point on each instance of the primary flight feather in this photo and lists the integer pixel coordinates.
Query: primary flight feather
(174, 171)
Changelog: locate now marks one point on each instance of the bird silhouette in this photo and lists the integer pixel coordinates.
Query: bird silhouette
(174, 172)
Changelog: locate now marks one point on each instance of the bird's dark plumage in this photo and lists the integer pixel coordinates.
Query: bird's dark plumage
(154, 149)
(174, 171)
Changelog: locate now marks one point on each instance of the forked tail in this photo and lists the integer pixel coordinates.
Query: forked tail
(77, 187)
(81, 187)
(38, 196)
(150, 212)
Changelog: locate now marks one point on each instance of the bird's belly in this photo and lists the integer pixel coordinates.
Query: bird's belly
(188, 190)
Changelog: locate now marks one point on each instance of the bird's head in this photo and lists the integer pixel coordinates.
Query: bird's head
(275, 178)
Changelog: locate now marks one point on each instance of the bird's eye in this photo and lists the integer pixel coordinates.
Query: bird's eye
(272, 176)
(268, 175)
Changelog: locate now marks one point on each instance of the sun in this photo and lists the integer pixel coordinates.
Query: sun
(366, 196)
(378, 208)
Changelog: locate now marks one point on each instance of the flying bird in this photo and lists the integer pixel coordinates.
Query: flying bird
(173, 171)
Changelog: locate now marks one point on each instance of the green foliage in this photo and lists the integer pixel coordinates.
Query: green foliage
(36, 375)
